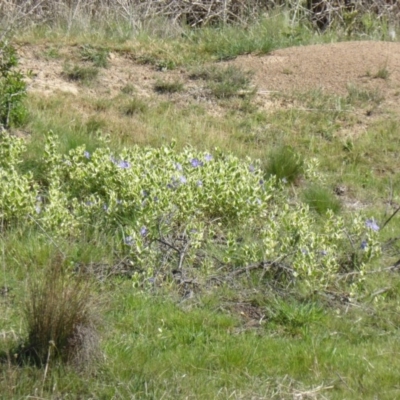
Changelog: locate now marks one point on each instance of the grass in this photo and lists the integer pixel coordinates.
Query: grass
(84, 74)
(163, 87)
(155, 343)
(321, 199)
(225, 82)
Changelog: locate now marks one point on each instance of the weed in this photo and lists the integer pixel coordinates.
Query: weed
(98, 56)
(60, 319)
(285, 164)
(168, 87)
(81, 73)
(321, 199)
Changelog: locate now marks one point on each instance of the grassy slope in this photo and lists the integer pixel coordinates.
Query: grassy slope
(157, 345)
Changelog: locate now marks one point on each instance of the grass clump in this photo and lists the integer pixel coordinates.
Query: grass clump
(60, 319)
(85, 74)
(321, 200)
(97, 56)
(285, 164)
(134, 106)
(168, 87)
(225, 82)
(357, 95)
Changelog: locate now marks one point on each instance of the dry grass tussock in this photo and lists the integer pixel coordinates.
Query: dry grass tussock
(62, 319)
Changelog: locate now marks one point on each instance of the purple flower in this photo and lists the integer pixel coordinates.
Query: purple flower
(364, 245)
(208, 157)
(178, 167)
(86, 154)
(199, 183)
(123, 164)
(182, 179)
(145, 193)
(371, 224)
(323, 252)
(196, 163)
(251, 168)
(143, 231)
(304, 251)
(129, 240)
(261, 181)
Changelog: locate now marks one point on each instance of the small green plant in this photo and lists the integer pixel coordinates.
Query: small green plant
(12, 88)
(225, 82)
(321, 200)
(60, 320)
(168, 87)
(85, 74)
(134, 106)
(285, 164)
(97, 56)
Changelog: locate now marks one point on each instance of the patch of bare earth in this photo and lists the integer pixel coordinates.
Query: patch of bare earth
(329, 67)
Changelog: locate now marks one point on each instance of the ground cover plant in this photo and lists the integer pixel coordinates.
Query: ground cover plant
(193, 243)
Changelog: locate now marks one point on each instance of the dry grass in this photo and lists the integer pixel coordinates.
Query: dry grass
(61, 319)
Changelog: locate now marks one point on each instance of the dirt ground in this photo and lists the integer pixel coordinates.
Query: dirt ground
(330, 67)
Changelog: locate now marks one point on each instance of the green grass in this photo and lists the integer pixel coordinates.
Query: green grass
(321, 199)
(84, 74)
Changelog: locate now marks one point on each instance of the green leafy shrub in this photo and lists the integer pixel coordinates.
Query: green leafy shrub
(147, 197)
(12, 88)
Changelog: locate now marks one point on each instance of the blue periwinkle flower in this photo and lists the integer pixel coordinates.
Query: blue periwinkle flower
(143, 231)
(208, 157)
(364, 245)
(86, 154)
(196, 163)
(251, 168)
(129, 240)
(199, 183)
(123, 164)
(371, 224)
(182, 179)
(178, 167)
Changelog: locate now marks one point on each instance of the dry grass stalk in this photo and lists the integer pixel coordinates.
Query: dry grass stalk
(60, 314)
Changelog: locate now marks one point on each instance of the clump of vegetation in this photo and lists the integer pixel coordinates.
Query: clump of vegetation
(61, 320)
(225, 82)
(12, 88)
(321, 199)
(285, 164)
(85, 74)
(97, 56)
(357, 95)
(134, 106)
(168, 87)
